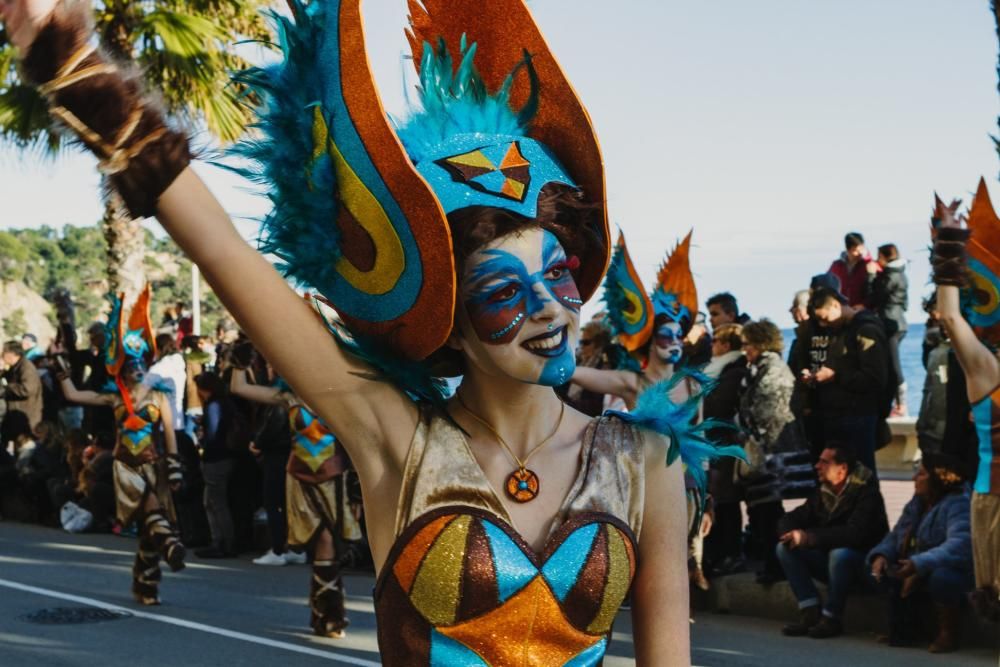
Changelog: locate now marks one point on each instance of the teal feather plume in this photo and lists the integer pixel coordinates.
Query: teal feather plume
(455, 101)
(300, 230)
(656, 411)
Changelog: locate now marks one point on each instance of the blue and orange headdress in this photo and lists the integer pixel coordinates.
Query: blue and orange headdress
(981, 299)
(675, 295)
(132, 339)
(359, 201)
(631, 312)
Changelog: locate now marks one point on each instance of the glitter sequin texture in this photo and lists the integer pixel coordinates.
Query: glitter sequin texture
(461, 586)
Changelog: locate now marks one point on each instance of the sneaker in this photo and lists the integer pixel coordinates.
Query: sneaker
(271, 558)
(293, 558)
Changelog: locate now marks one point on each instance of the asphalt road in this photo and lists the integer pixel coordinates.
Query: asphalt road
(233, 613)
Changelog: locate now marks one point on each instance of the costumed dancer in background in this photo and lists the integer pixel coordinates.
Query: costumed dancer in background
(651, 328)
(323, 501)
(457, 238)
(143, 477)
(966, 268)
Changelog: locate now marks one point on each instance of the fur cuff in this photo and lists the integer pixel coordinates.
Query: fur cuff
(104, 105)
(948, 258)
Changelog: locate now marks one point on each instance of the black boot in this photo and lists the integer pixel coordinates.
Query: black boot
(164, 538)
(808, 617)
(326, 601)
(146, 573)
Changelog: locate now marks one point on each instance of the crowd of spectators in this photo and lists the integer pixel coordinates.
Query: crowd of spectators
(807, 503)
(810, 421)
(56, 462)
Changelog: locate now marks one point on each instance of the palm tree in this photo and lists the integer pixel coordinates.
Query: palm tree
(185, 50)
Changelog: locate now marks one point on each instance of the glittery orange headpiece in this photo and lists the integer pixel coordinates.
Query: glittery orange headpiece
(358, 217)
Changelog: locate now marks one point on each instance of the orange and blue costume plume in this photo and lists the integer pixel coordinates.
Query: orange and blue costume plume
(981, 300)
(675, 294)
(630, 311)
(130, 339)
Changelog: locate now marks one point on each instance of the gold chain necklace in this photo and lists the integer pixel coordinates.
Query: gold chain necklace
(522, 484)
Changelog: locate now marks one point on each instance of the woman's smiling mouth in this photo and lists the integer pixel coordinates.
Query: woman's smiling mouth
(549, 344)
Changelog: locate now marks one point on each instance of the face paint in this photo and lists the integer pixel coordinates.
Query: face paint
(515, 285)
(669, 343)
(134, 369)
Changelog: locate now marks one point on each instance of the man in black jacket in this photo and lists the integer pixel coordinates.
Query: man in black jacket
(828, 537)
(21, 389)
(846, 372)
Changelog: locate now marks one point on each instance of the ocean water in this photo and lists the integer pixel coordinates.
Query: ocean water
(909, 357)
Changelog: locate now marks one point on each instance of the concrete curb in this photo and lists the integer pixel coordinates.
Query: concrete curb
(866, 613)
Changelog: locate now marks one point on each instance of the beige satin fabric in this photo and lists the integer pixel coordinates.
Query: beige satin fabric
(132, 485)
(312, 506)
(985, 518)
(442, 471)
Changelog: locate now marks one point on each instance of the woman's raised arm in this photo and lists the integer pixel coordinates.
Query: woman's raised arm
(981, 366)
(286, 329)
(147, 163)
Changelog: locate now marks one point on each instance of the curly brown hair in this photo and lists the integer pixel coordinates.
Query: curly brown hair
(764, 335)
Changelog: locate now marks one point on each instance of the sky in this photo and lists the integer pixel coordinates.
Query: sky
(771, 128)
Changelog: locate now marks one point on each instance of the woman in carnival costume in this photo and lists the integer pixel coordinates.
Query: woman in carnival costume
(456, 242)
(966, 270)
(651, 328)
(323, 500)
(143, 478)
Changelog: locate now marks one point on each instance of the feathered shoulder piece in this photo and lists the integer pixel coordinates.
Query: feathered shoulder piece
(630, 312)
(675, 294)
(981, 301)
(656, 411)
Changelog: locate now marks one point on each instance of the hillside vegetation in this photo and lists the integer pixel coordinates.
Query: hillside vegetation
(36, 262)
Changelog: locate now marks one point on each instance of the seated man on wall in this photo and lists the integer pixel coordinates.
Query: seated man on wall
(828, 537)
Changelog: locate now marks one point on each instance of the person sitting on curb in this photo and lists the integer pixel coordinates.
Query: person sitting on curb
(929, 550)
(828, 536)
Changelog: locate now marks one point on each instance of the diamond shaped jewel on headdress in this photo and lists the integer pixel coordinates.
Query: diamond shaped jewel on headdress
(507, 176)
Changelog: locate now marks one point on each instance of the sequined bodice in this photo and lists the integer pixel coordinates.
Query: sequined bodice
(315, 455)
(461, 587)
(987, 417)
(136, 429)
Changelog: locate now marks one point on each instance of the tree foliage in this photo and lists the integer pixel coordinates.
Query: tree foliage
(73, 258)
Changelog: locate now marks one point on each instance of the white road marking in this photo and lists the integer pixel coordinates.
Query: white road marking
(191, 625)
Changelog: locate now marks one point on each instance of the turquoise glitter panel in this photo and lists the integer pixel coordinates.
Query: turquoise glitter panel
(446, 652)
(345, 135)
(513, 569)
(563, 567)
(982, 307)
(455, 193)
(590, 657)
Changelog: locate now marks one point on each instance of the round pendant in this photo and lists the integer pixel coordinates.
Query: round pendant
(522, 485)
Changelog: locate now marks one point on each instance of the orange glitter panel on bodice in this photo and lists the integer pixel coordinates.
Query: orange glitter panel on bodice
(461, 587)
(315, 454)
(136, 429)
